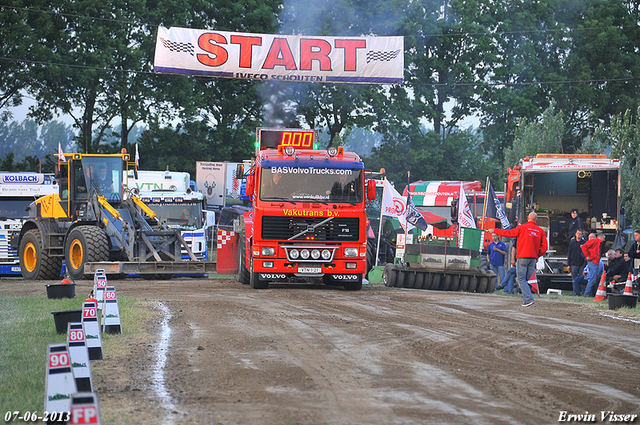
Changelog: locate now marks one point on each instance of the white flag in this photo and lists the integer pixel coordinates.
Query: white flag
(61, 154)
(137, 157)
(394, 204)
(465, 218)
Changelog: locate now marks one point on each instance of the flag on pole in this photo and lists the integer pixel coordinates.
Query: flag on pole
(414, 217)
(137, 157)
(465, 218)
(394, 204)
(61, 154)
(494, 208)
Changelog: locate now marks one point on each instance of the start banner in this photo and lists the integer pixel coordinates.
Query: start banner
(366, 60)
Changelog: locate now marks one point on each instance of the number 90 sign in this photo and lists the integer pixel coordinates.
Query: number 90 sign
(58, 360)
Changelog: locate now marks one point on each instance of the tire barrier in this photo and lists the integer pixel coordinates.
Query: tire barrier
(396, 276)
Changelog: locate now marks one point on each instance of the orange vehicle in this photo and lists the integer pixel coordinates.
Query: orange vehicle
(308, 217)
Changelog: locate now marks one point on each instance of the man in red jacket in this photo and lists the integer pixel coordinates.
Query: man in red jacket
(531, 244)
(592, 250)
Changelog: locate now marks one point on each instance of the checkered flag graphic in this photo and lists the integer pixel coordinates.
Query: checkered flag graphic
(382, 56)
(176, 46)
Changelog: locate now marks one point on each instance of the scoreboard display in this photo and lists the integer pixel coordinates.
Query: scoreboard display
(271, 138)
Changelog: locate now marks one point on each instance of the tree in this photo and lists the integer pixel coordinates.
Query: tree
(534, 137)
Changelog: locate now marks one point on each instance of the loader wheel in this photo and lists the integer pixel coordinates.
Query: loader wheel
(34, 263)
(242, 275)
(389, 276)
(85, 244)
(254, 282)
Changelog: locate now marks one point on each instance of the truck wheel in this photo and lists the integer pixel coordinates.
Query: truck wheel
(354, 286)
(242, 275)
(419, 281)
(492, 285)
(402, 276)
(34, 263)
(85, 244)
(254, 282)
(389, 276)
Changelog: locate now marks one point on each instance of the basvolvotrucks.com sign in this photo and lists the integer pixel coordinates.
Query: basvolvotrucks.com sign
(366, 60)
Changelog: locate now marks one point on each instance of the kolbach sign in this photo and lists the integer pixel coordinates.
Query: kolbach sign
(366, 60)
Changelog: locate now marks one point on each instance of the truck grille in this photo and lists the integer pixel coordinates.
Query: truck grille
(338, 229)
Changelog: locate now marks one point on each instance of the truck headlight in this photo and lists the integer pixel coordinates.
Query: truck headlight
(268, 250)
(294, 254)
(351, 252)
(315, 254)
(326, 254)
(304, 254)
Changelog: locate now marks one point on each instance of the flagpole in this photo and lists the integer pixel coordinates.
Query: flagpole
(406, 222)
(380, 222)
(484, 205)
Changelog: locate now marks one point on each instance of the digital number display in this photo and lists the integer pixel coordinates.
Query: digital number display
(272, 138)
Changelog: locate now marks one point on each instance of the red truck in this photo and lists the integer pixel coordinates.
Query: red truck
(308, 217)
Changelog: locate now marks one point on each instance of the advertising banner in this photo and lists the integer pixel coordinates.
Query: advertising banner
(210, 178)
(366, 60)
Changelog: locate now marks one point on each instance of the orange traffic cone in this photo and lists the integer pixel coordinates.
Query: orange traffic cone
(628, 287)
(601, 293)
(533, 281)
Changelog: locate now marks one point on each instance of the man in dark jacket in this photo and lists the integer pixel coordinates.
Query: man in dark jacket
(634, 251)
(617, 270)
(575, 258)
(575, 223)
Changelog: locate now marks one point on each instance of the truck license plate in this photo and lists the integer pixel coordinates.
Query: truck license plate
(309, 269)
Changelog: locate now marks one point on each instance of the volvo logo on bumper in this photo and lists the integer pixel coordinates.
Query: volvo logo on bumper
(273, 276)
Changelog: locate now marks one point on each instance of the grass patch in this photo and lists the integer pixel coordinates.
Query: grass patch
(27, 328)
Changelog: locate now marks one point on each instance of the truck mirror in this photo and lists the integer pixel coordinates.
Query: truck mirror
(240, 171)
(250, 183)
(371, 190)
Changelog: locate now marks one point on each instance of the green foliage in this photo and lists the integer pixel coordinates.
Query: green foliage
(532, 138)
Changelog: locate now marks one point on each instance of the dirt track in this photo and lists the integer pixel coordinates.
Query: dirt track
(310, 354)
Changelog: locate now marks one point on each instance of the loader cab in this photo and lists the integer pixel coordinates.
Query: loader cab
(82, 176)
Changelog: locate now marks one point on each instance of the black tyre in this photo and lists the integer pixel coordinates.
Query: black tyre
(464, 283)
(419, 281)
(390, 275)
(448, 280)
(355, 285)
(254, 282)
(473, 284)
(428, 281)
(410, 280)
(402, 275)
(437, 282)
(85, 244)
(492, 285)
(455, 282)
(371, 256)
(483, 282)
(242, 275)
(34, 263)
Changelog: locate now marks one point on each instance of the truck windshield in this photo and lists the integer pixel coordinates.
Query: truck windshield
(300, 184)
(14, 208)
(183, 216)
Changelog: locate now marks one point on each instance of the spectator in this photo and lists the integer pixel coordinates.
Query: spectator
(531, 244)
(575, 224)
(495, 256)
(103, 181)
(634, 252)
(580, 282)
(575, 258)
(591, 250)
(617, 271)
(629, 264)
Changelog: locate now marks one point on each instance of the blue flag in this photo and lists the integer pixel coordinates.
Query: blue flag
(414, 217)
(494, 208)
